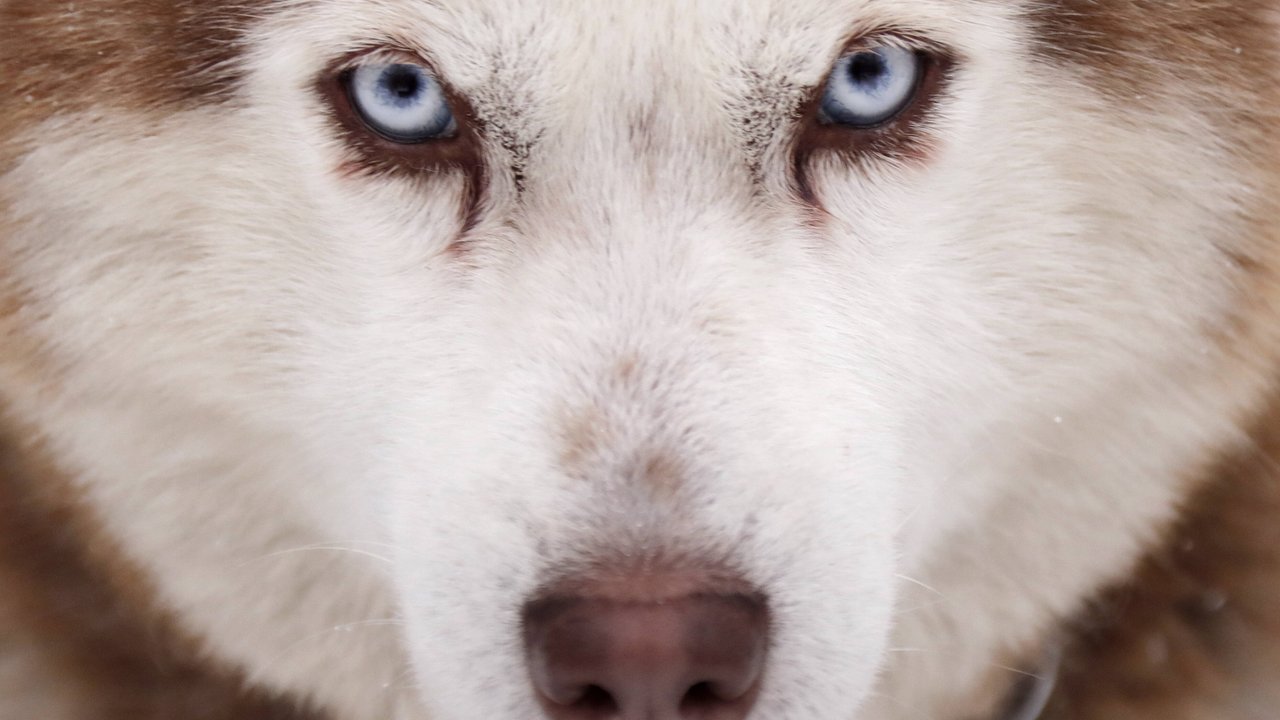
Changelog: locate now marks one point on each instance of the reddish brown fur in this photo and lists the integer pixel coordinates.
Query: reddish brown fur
(77, 624)
(143, 54)
(1141, 46)
(1195, 634)
(1219, 57)
(581, 434)
(81, 619)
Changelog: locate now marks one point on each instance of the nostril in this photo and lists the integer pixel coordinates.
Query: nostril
(700, 696)
(589, 702)
(689, 657)
(596, 702)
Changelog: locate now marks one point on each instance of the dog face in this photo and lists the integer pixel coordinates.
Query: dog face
(643, 305)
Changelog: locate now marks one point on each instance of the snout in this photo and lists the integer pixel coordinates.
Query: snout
(636, 655)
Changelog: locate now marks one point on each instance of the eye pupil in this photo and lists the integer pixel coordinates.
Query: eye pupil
(402, 82)
(867, 69)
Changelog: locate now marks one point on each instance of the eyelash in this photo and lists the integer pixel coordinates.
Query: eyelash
(373, 153)
(934, 71)
(904, 137)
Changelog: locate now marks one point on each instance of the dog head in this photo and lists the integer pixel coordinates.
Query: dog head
(833, 330)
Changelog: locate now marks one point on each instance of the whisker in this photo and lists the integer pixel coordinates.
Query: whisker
(341, 628)
(919, 583)
(969, 454)
(319, 548)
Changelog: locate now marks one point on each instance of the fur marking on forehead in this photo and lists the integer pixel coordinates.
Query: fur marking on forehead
(63, 57)
(1137, 47)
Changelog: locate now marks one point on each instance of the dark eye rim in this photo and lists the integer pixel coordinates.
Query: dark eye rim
(903, 137)
(932, 73)
(373, 152)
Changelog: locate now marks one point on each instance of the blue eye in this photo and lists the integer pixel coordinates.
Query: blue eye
(402, 102)
(870, 87)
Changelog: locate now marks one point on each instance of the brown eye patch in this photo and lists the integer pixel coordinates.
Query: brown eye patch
(375, 150)
(855, 133)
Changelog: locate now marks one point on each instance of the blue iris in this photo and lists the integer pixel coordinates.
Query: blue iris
(402, 102)
(870, 87)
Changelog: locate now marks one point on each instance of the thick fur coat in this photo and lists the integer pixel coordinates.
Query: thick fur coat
(295, 420)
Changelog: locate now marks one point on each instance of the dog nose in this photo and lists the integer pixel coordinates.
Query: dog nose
(696, 657)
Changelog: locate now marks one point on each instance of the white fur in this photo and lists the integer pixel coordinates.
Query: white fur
(925, 429)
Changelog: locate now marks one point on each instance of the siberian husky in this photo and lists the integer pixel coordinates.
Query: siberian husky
(663, 360)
